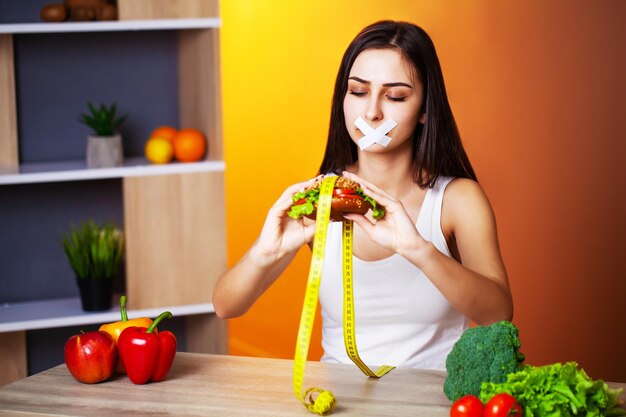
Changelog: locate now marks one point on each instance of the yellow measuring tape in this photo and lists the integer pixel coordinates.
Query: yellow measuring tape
(349, 326)
(324, 401)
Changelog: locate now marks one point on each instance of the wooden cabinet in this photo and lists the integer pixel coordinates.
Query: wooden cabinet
(8, 115)
(173, 214)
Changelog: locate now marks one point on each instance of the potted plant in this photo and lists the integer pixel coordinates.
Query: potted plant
(104, 146)
(95, 254)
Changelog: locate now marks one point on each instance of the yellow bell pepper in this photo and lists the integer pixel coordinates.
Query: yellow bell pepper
(115, 329)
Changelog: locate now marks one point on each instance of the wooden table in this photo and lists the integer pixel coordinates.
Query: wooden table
(214, 385)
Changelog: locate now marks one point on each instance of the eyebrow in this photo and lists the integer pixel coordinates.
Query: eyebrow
(394, 84)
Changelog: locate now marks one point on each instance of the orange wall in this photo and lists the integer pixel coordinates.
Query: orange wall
(539, 95)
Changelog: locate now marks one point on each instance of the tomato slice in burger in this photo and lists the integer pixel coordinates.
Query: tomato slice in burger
(341, 192)
(338, 192)
(301, 201)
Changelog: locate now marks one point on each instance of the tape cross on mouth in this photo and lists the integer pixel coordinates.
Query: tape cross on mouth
(372, 136)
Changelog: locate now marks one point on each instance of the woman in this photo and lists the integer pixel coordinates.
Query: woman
(433, 263)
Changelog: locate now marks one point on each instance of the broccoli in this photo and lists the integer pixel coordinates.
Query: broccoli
(482, 354)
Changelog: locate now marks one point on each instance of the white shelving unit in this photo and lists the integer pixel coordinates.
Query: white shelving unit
(151, 193)
(111, 26)
(32, 173)
(64, 312)
(77, 170)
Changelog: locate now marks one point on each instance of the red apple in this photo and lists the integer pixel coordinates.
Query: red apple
(91, 357)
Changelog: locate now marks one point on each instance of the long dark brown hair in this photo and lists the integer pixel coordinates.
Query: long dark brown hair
(437, 147)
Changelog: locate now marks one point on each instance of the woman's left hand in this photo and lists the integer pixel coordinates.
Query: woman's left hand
(395, 231)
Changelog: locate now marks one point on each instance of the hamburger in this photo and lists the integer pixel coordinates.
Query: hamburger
(348, 197)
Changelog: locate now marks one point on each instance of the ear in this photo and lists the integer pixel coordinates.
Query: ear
(423, 118)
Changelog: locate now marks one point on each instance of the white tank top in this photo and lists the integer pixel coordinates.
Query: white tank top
(401, 318)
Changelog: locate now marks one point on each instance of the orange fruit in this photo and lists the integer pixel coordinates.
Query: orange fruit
(159, 150)
(165, 132)
(189, 145)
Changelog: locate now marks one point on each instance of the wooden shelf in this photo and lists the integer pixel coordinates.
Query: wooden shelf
(77, 170)
(64, 312)
(112, 26)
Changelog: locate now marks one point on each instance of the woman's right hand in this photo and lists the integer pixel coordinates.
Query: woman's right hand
(282, 234)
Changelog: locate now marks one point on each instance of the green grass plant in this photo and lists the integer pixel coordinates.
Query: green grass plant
(94, 251)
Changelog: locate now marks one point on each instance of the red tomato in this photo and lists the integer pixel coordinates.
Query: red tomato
(340, 192)
(503, 405)
(468, 406)
(301, 201)
(346, 194)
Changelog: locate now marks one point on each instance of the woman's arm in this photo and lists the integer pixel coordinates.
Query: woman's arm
(281, 237)
(239, 288)
(478, 285)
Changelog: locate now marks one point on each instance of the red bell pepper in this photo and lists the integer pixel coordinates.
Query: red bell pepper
(147, 356)
(115, 329)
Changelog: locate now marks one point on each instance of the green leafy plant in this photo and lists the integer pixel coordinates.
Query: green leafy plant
(94, 251)
(102, 120)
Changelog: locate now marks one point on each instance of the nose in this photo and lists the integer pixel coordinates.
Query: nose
(374, 111)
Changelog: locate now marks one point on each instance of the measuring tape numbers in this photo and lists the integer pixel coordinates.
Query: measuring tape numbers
(349, 326)
(324, 401)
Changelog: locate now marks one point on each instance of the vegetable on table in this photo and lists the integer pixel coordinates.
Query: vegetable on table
(482, 354)
(467, 406)
(503, 405)
(146, 355)
(560, 389)
(115, 329)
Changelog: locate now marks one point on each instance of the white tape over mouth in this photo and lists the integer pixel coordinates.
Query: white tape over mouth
(372, 136)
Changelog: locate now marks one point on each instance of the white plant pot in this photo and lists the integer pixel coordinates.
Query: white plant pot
(105, 151)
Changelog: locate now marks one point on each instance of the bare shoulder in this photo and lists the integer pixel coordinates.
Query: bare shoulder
(462, 189)
(464, 201)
